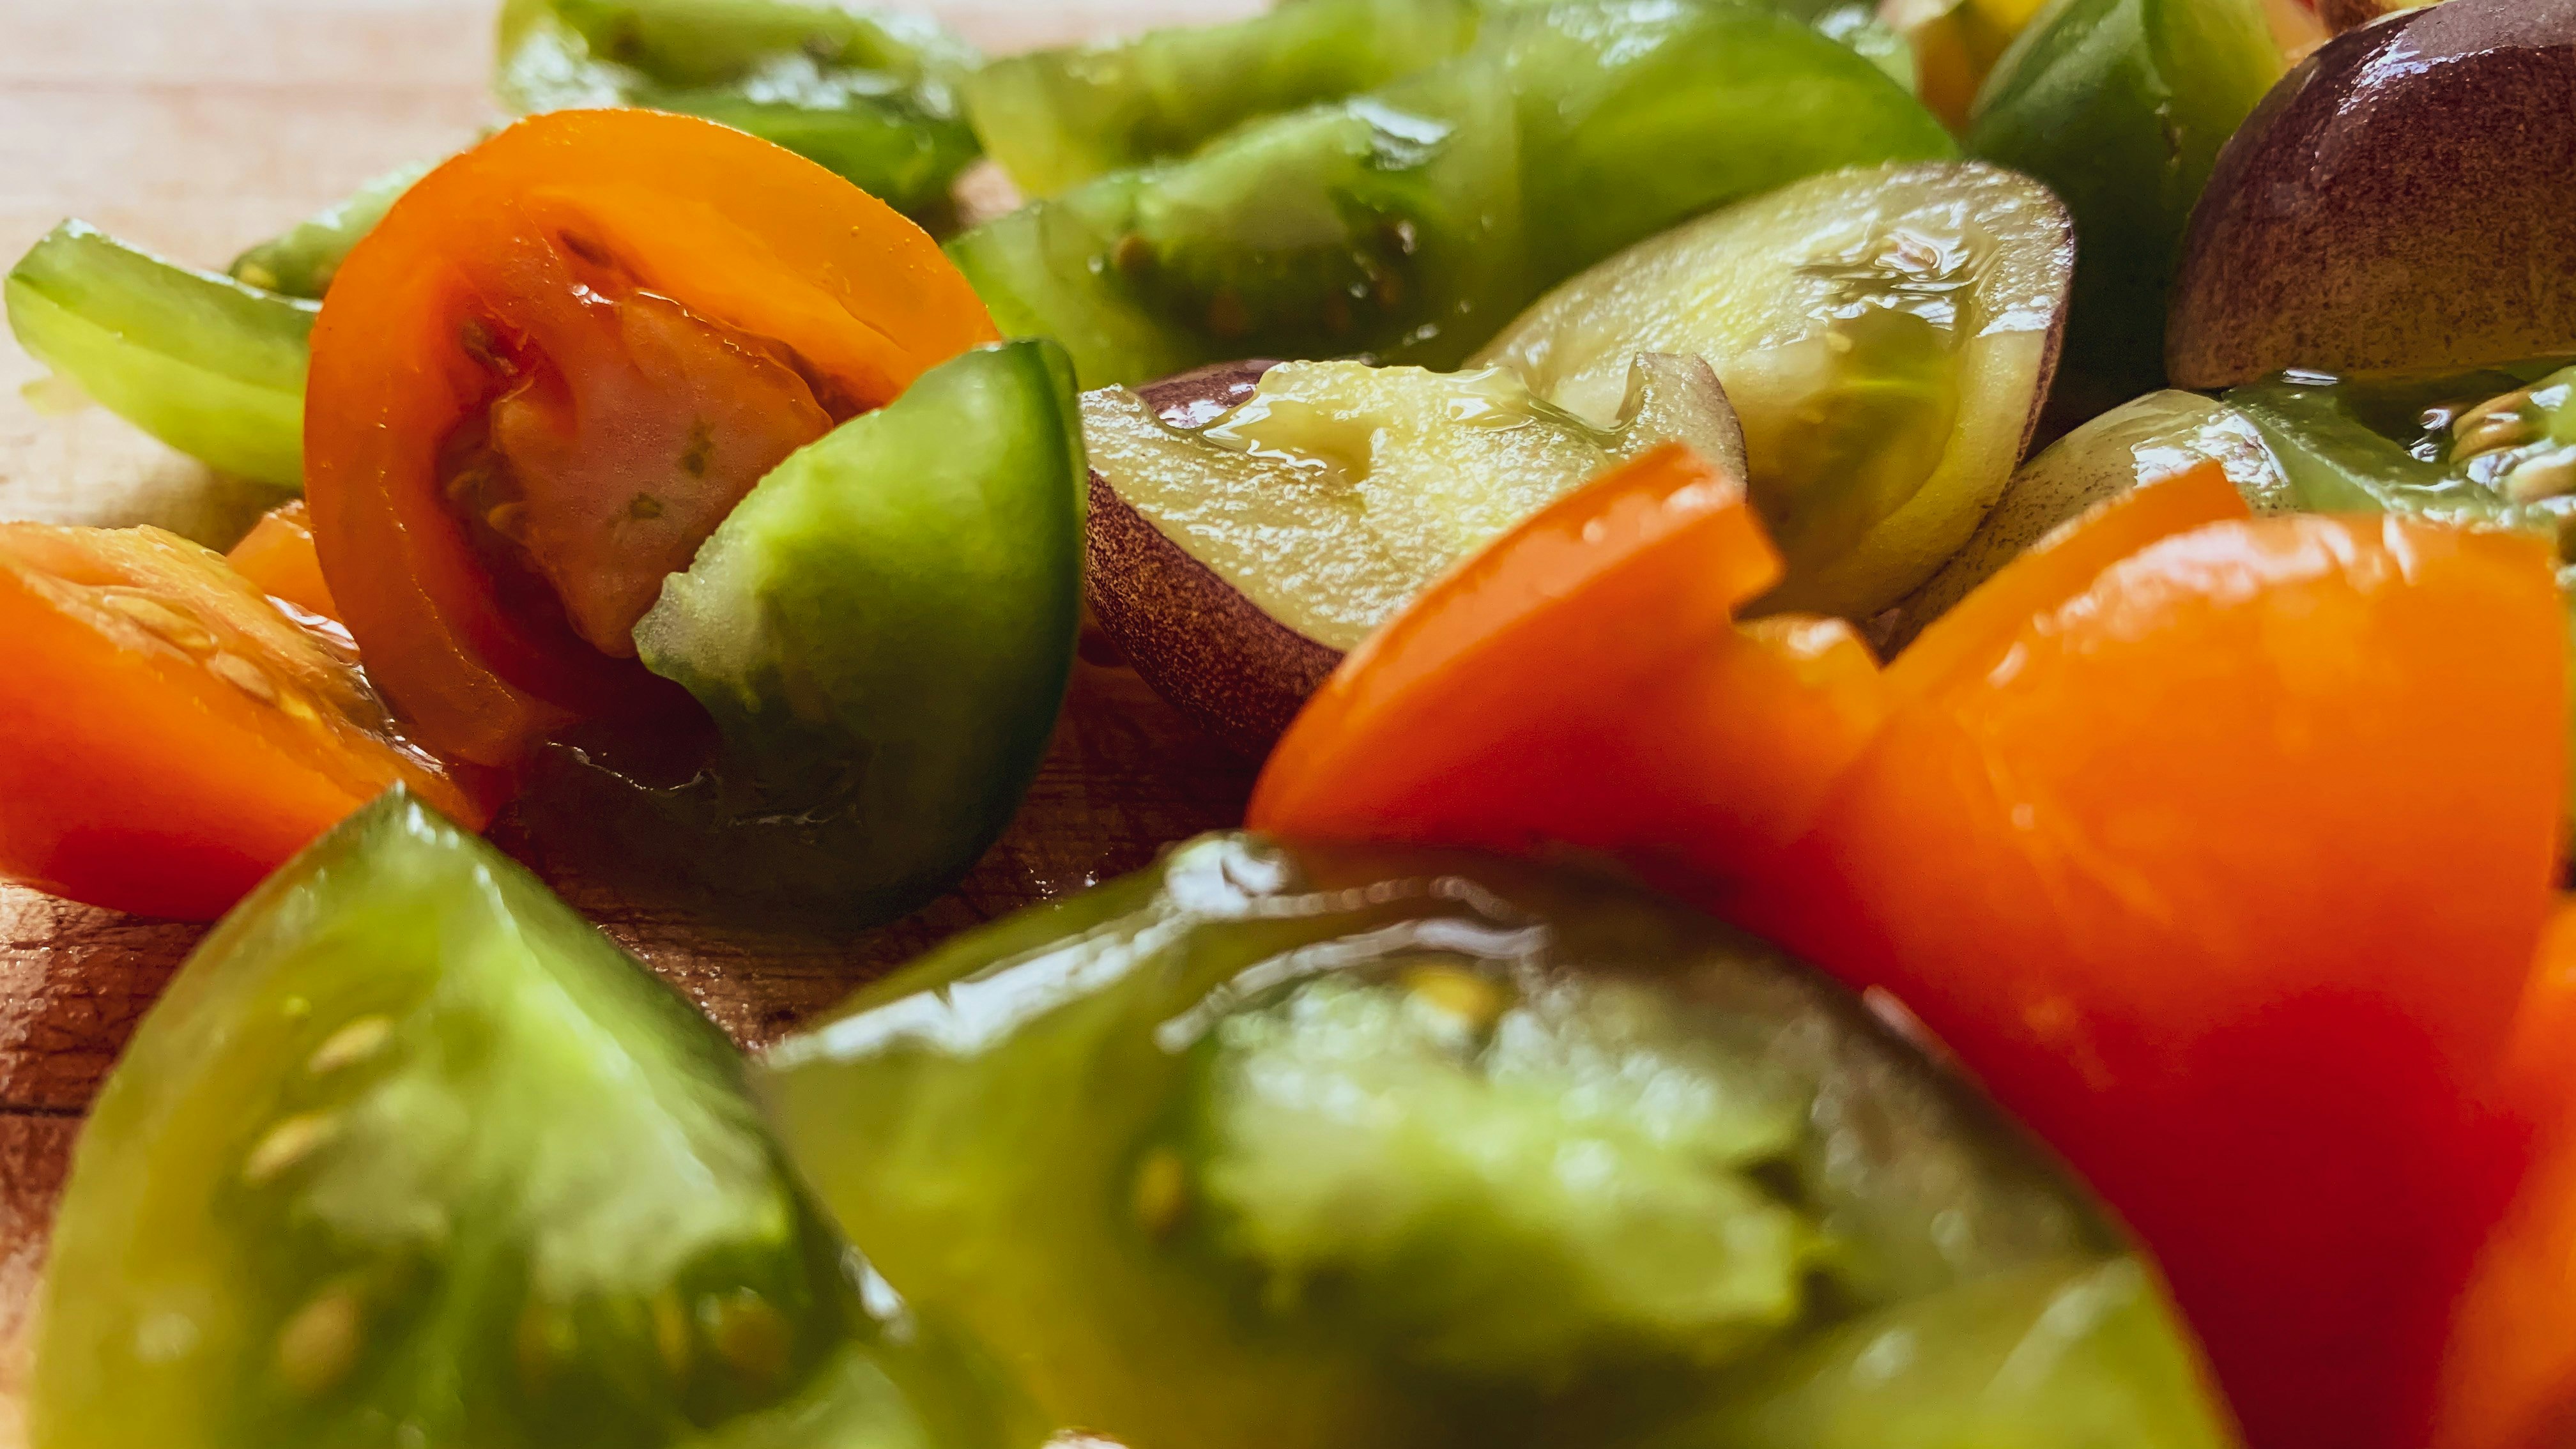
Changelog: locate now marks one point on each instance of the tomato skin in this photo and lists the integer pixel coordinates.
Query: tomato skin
(2509, 1367)
(1741, 727)
(132, 775)
(103, 827)
(738, 231)
(2155, 880)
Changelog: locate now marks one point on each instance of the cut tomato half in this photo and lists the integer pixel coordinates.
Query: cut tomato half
(555, 366)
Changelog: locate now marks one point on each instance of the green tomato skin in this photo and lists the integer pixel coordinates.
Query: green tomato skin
(1289, 1147)
(1056, 118)
(2354, 445)
(209, 366)
(302, 261)
(1410, 224)
(1636, 115)
(872, 96)
(882, 631)
(2121, 107)
(1947, 1372)
(409, 1154)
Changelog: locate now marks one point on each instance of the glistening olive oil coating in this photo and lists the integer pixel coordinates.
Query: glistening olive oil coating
(1885, 335)
(1298, 1146)
(1335, 490)
(1588, 430)
(1409, 223)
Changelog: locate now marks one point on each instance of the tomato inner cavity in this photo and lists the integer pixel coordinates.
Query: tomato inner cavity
(623, 428)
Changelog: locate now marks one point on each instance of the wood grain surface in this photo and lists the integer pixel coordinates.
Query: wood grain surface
(196, 127)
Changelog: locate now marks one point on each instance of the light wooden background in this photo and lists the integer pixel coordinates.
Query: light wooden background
(196, 127)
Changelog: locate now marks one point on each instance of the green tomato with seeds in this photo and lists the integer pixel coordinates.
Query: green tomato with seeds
(1302, 1146)
(408, 1154)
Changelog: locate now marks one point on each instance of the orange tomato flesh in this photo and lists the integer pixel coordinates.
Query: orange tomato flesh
(278, 559)
(1974, 635)
(2509, 1370)
(1596, 642)
(172, 736)
(2166, 879)
(552, 369)
(632, 431)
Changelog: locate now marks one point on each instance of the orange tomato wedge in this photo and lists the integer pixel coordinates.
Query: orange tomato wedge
(1974, 635)
(277, 557)
(2180, 880)
(1593, 646)
(553, 368)
(169, 736)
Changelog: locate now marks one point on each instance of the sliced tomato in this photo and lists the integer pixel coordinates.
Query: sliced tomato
(169, 736)
(1592, 648)
(554, 367)
(2149, 832)
(278, 558)
(1584, 682)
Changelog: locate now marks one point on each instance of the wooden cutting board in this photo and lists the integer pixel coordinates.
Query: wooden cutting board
(196, 127)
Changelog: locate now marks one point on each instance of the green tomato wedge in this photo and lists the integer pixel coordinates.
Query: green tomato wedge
(1389, 222)
(2046, 1357)
(2157, 436)
(1359, 1147)
(1635, 117)
(882, 630)
(409, 1154)
(1055, 118)
(302, 261)
(871, 95)
(209, 366)
(2121, 106)
(1407, 224)
(1885, 335)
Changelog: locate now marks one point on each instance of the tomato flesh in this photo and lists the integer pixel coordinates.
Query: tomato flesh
(168, 735)
(625, 428)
